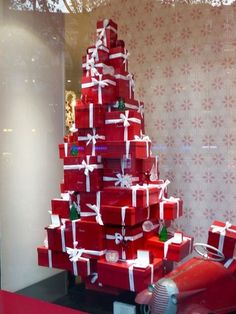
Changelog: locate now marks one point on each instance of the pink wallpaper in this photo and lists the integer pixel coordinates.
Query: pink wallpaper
(184, 61)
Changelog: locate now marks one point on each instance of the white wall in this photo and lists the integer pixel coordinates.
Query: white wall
(31, 126)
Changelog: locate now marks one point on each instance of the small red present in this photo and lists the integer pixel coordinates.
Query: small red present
(172, 249)
(98, 54)
(222, 235)
(126, 149)
(100, 89)
(125, 240)
(168, 209)
(55, 259)
(88, 115)
(131, 166)
(90, 206)
(135, 196)
(125, 85)
(92, 68)
(123, 215)
(90, 141)
(60, 207)
(56, 238)
(121, 126)
(107, 33)
(83, 174)
(91, 236)
(129, 275)
(119, 58)
(70, 149)
(123, 178)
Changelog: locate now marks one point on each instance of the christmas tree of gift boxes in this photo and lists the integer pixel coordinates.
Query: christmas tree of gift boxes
(109, 225)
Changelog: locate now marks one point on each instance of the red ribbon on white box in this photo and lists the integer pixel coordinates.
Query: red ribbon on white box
(96, 210)
(87, 169)
(101, 32)
(222, 230)
(172, 240)
(166, 201)
(101, 84)
(125, 120)
(124, 55)
(92, 138)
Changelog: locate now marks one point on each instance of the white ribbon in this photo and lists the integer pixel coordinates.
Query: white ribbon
(94, 50)
(127, 149)
(94, 277)
(124, 180)
(75, 254)
(131, 84)
(63, 244)
(123, 214)
(131, 275)
(222, 230)
(229, 262)
(101, 84)
(96, 210)
(92, 138)
(125, 120)
(139, 108)
(118, 237)
(50, 258)
(66, 149)
(166, 201)
(91, 115)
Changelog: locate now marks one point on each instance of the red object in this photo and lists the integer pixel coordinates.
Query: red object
(55, 259)
(99, 54)
(125, 240)
(91, 67)
(125, 85)
(55, 238)
(88, 115)
(91, 236)
(122, 126)
(113, 215)
(174, 252)
(168, 209)
(60, 207)
(127, 149)
(223, 236)
(12, 303)
(82, 174)
(119, 58)
(91, 141)
(142, 197)
(100, 89)
(126, 276)
(107, 32)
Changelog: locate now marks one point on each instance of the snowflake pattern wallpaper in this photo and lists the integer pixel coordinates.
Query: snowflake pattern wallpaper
(183, 59)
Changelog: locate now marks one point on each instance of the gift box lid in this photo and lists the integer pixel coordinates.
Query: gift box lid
(223, 227)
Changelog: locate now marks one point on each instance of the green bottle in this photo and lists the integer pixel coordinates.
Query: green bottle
(163, 234)
(73, 212)
(121, 104)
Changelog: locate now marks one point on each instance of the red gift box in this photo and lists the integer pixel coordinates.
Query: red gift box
(115, 178)
(125, 85)
(135, 196)
(123, 215)
(126, 149)
(119, 58)
(168, 209)
(90, 205)
(55, 259)
(125, 240)
(92, 68)
(126, 276)
(222, 235)
(90, 141)
(133, 165)
(60, 207)
(169, 250)
(91, 236)
(70, 149)
(107, 32)
(83, 174)
(121, 126)
(100, 89)
(88, 115)
(98, 54)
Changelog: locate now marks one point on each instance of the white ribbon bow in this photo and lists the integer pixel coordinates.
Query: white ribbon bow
(102, 35)
(141, 109)
(124, 180)
(87, 167)
(118, 237)
(96, 209)
(144, 138)
(222, 230)
(74, 254)
(126, 56)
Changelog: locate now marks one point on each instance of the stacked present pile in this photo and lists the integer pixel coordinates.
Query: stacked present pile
(109, 226)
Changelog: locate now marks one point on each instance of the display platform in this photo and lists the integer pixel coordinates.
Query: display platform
(12, 303)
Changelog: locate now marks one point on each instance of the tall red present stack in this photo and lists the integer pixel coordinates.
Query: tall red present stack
(106, 224)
